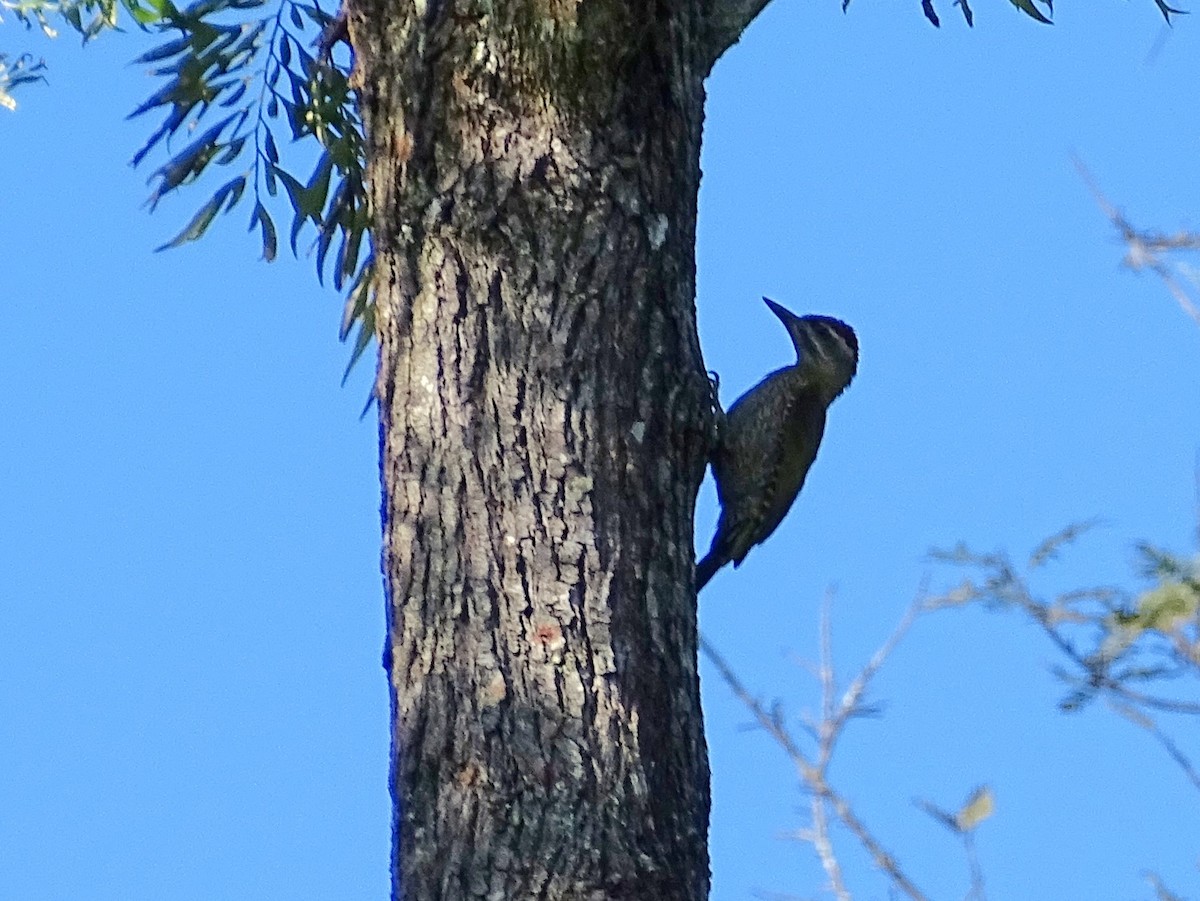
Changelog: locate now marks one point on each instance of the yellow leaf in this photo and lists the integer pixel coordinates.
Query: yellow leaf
(980, 806)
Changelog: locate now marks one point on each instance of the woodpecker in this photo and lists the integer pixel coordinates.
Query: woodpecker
(769, 438)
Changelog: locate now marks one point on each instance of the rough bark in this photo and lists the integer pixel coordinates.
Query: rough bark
(727, 19)
(544, 424)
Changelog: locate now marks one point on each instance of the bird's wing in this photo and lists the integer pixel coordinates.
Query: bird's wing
(802, 429)
(754, 464)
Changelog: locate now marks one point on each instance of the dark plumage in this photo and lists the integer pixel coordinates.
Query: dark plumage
(769, 438)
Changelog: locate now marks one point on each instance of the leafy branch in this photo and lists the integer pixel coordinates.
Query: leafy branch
(1123, 649)
(14, 73)
(1031, 8)
(88, 17)
(242, 80)
(256, 86)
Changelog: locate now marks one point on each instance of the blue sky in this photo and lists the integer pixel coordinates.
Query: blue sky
(190, 608)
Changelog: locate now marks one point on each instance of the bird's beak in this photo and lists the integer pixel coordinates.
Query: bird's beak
(785, 315)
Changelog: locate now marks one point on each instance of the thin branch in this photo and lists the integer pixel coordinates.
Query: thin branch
(824, 846)
(830, 724)
(835, 715)
(1099, 676)
(767, 720)
(1165, 705)
(882, 859)
(1096, 675)
(1161, 892)
(851, 703)
(1143, 721)
(962, 824)
(977, 887)
(777, 896)
(821, 840)
(1145, 248)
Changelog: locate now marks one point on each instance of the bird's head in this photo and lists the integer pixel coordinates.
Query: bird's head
(826, 348)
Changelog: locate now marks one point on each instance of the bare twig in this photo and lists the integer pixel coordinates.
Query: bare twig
(829, 726)
(1048, 549)
(824, 846)
(1006, 587)
(962, 824)
(836, 713)
(777, 896)
(1134, 646)
(1145, 249)
(1161, 892)
(1097, 676)
(821, 840)
(1144, 721)
(851, 703)
(768, 720)
(977, 892)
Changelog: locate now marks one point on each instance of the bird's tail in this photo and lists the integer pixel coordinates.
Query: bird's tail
(707, 568)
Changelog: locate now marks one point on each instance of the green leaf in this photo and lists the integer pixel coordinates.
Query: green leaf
(324, 239)
(144, 15)
(196, 227)
(262, 218)
(19, 71)
(347, 261)
(978, 807)
(1027, 7)
(169, 94)
(232, 150)
(270, 240)
(211, 60)
(1164, 608)
(236, 95)
(1167, 11)
(318, 187)
(269, 178)
(235, 193)
(165, 51)
(355, 304)
(366, 331)
(308, 63)
(190, 161)
(318, 16)
(295, 192)
(203, 34)
(308, 201)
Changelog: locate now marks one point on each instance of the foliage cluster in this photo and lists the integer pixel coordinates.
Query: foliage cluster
(244, 78)
(1114, 643)
(1031, 8)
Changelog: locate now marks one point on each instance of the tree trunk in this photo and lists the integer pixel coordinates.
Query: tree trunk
(544, 425)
